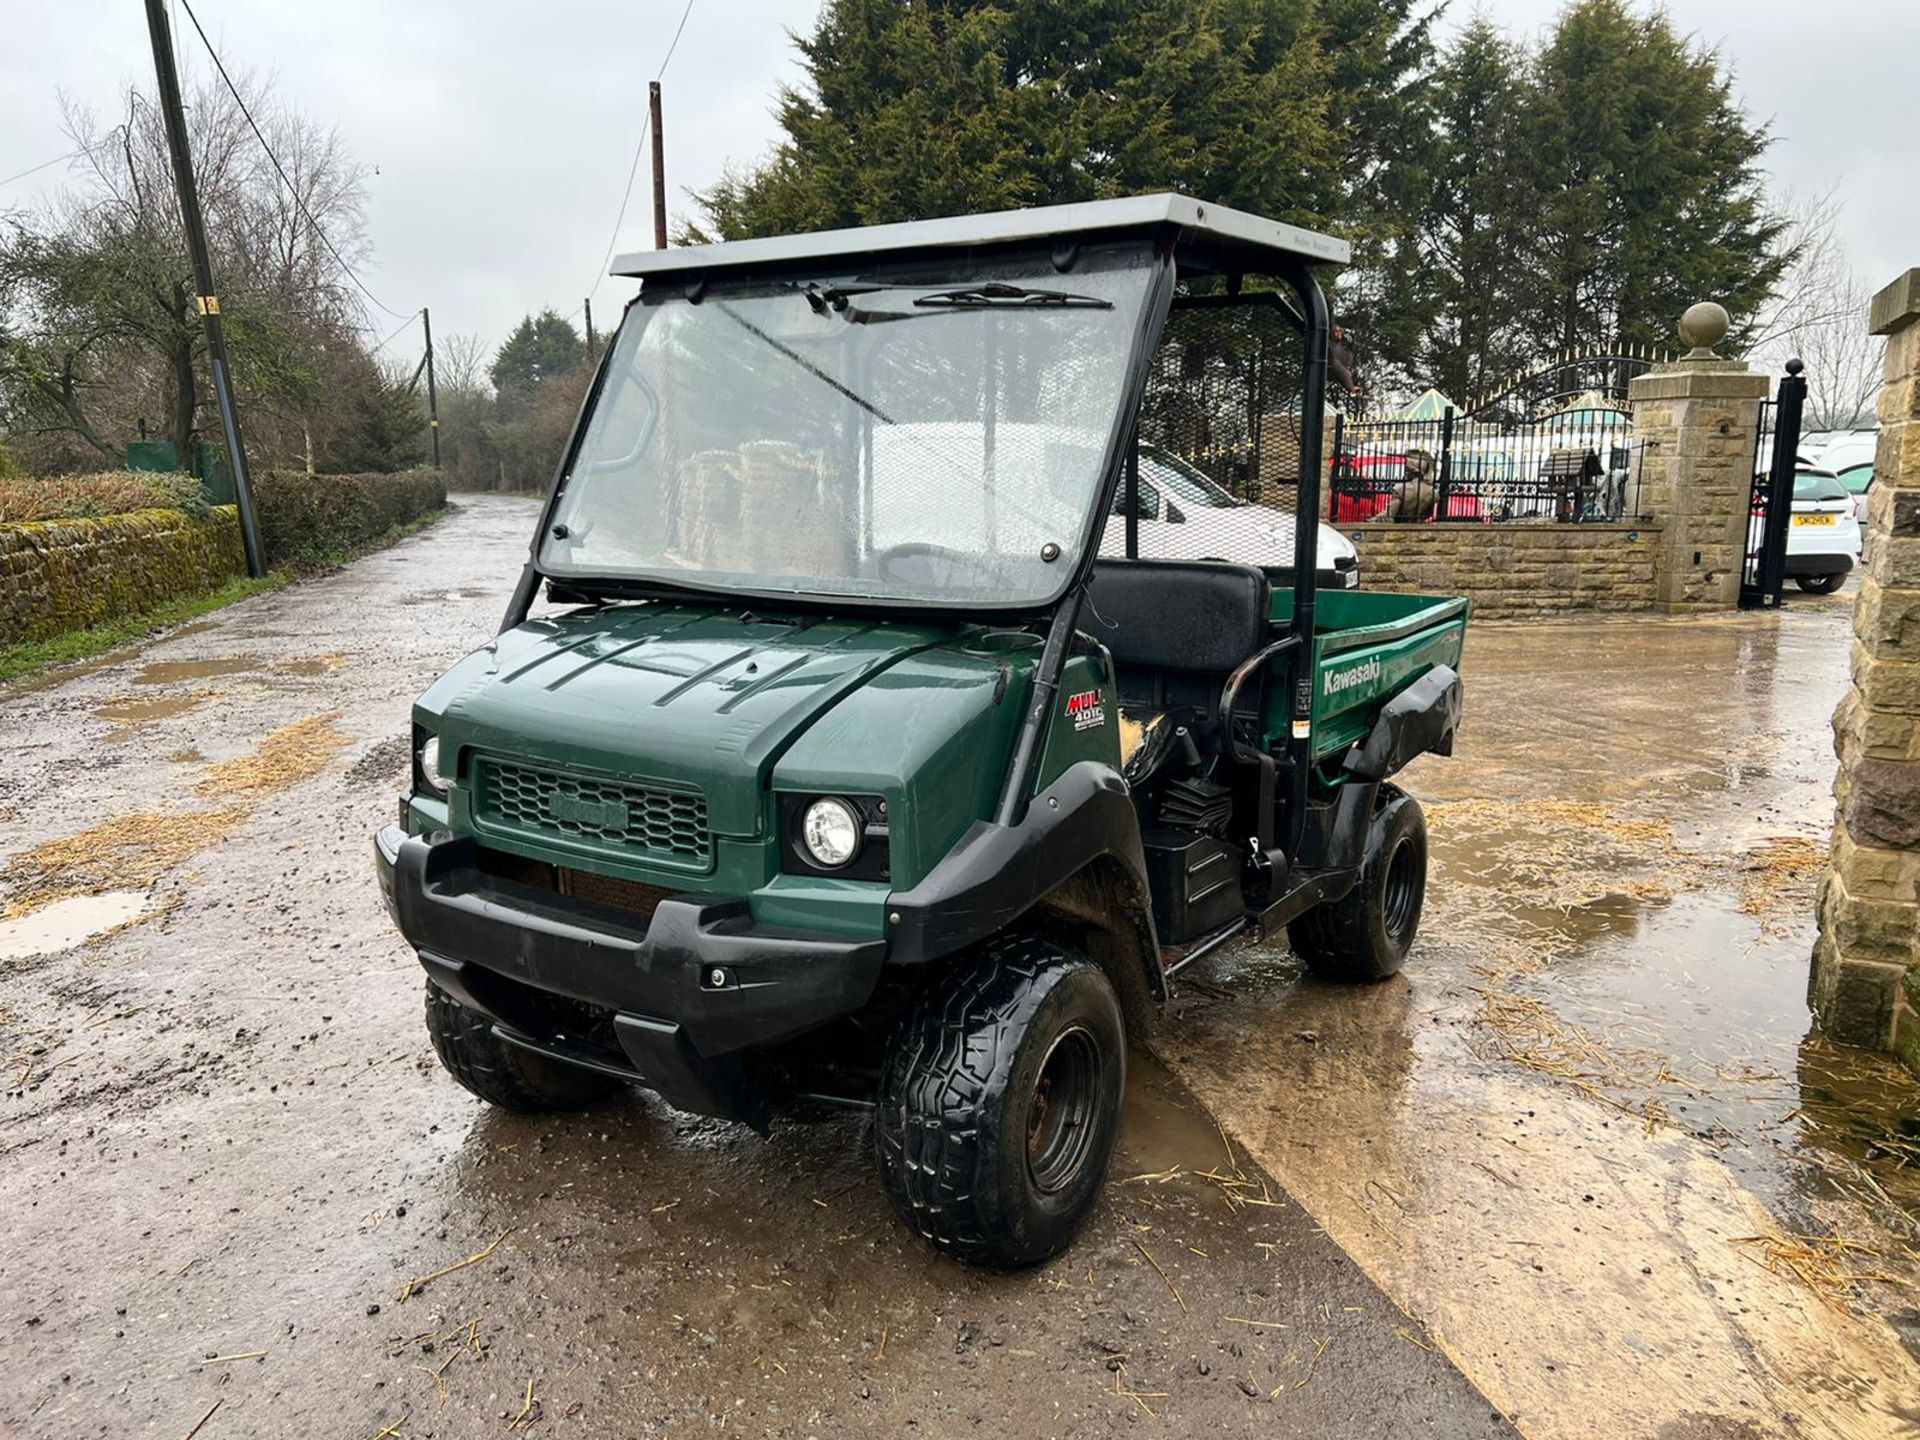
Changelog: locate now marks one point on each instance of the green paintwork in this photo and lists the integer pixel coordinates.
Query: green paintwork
(1368, 646)
(931, 736)
(738, 709)
(742, 709)
(1073, 735)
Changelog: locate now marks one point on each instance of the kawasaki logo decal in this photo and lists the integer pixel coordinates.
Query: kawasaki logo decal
(1364, 673)
(1088, 710)
(600, 814)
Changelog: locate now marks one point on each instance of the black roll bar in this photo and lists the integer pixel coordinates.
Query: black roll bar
(1306, 554)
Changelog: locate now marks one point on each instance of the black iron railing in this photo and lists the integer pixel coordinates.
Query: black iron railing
(1578, 467)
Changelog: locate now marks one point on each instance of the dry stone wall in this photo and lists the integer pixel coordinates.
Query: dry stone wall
(60, 575)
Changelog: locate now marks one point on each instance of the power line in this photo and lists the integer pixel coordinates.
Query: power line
(638, 149)
(233, 90)
(44, 165)
(404, 324)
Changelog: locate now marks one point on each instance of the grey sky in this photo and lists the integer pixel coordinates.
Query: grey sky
(502, 133)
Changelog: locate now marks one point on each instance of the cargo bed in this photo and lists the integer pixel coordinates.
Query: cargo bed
(1368, 646)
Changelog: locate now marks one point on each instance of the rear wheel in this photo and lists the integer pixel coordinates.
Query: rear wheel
(503, 1074)
(1000, 1103)
(1365, 935)
(1819, 584)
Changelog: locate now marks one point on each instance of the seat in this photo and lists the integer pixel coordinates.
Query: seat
(1176, 628)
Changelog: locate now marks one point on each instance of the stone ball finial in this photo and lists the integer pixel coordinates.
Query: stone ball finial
(1796, 365)
(1704, 326)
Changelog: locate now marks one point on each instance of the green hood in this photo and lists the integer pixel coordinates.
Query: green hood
(687, 697)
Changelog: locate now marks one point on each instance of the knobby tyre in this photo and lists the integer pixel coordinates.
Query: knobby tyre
(999, 1103)
(503, 1074)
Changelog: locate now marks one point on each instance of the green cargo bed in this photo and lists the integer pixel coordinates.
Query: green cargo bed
(1368, 647)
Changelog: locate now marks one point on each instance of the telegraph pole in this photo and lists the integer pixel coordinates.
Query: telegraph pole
(206, 299)
(433, 402)
(588, 304)
(659, 164)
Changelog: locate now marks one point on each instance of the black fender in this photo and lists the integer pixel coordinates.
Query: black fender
(1075, 857)
(1422, 718)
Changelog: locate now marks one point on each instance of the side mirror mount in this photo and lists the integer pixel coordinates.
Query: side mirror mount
(1175, 515)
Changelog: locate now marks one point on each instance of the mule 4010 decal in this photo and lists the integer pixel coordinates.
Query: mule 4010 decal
(1088, 710)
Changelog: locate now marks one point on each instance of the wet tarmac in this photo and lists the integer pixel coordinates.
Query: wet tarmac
(1587, 1135)
(240, 1195)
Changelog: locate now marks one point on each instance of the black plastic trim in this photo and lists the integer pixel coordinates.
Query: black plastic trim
(996, 873)
(1421, 719)
(776, 985)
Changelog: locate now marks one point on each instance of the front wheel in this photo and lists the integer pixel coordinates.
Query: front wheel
(1365, 935)
(503, 1074)
(1000, 1103)
(1820, 584)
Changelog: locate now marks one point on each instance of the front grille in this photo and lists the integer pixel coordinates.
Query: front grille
(630, 895)
(582, 807)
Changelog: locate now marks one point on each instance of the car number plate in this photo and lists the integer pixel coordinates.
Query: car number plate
(1813, 519)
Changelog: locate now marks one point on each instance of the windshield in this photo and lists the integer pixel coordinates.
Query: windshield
(932, 434)
(1818, 485)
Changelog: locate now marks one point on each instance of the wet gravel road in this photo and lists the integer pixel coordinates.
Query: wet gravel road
(226, 1150)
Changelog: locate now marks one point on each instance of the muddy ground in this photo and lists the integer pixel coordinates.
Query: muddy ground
(224, 1134)
(1543, 1175)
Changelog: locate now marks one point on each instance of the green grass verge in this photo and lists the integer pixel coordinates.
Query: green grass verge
(24, 659)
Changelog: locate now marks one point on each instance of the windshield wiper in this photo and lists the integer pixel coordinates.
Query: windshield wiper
(998, 292)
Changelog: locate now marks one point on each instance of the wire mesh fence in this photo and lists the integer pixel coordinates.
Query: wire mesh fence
(1218, 458)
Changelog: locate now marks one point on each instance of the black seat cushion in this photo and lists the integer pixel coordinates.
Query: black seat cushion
(1186, 616)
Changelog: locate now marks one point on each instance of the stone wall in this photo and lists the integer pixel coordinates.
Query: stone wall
(1865, 985)
(1514, 569)
(60, 575)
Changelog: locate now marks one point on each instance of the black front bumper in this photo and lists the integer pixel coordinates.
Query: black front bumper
(694, 993)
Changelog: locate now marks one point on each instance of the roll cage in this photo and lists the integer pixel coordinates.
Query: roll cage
(1191, 241)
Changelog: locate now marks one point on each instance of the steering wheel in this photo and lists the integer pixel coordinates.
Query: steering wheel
(887, 560)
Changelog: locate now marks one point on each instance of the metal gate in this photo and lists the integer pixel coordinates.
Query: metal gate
(1776, 446)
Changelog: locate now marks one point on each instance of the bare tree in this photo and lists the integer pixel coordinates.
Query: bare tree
(99, 322)
(1820, 316)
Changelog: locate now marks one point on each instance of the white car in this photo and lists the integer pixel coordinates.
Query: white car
(1849, 454)
(1185, 515)
(1823, 537)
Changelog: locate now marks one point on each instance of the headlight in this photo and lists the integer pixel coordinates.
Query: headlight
(429, 756)
(831, 832)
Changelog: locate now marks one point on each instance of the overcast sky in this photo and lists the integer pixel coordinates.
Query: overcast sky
(498, 136)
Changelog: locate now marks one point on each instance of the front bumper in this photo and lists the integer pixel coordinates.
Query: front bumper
(694, 991)
(1822, 562)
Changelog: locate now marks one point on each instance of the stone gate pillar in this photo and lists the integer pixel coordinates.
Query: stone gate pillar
(1695, 419)
(1865, 987)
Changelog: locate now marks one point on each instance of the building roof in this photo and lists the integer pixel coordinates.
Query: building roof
(1430, 406)
(1234, 234)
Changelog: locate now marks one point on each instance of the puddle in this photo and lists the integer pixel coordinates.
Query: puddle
(171, 672)
(66, 923)
(313, 665)
(131, 712)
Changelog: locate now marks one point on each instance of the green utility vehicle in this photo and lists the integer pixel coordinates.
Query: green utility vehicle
(821, 756)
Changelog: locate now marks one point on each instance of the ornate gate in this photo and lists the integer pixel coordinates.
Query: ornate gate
(1776, 445)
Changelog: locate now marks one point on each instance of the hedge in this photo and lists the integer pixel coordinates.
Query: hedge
(92, 497)
(80, 550)
(314, 517)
